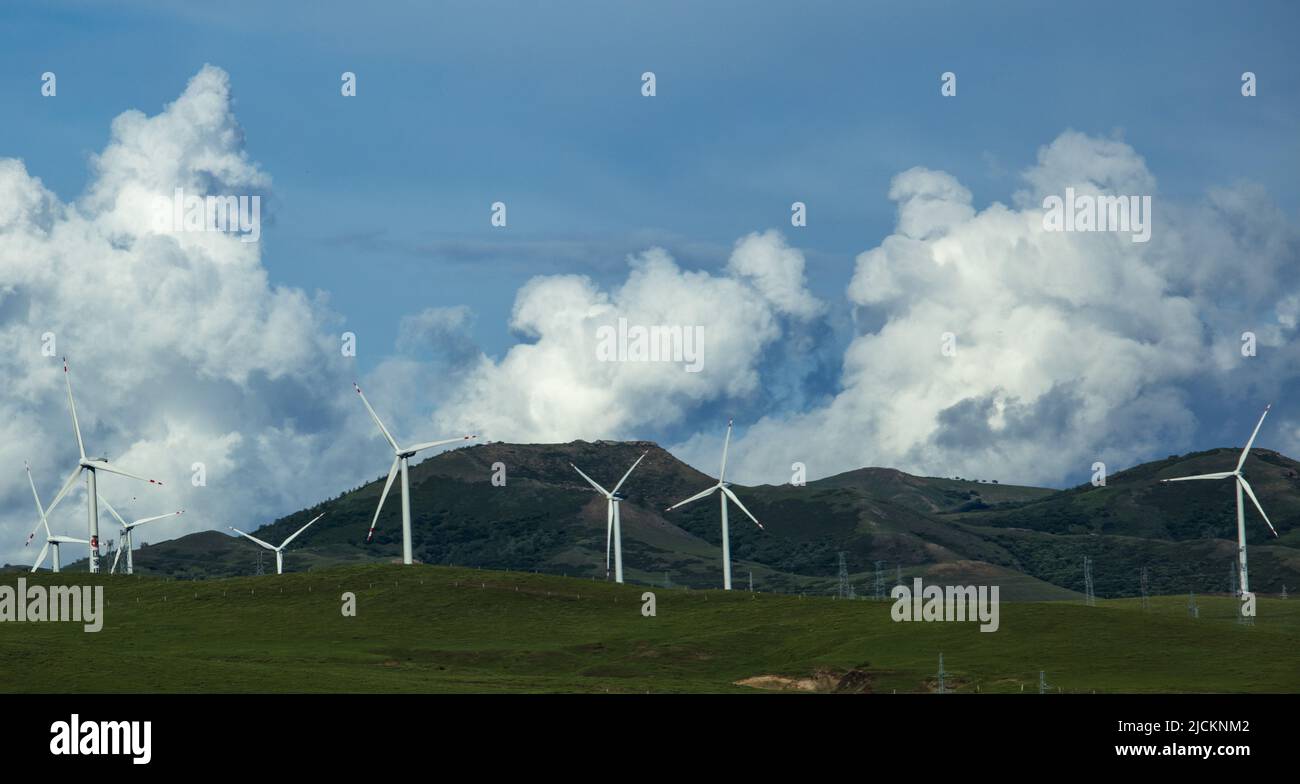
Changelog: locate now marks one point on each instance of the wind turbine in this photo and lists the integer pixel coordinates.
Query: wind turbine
(50, 539)
(125, 536)
(91, 467)
(612, 529)
(1242, 484)
(401, 455)
(726, 493)
(279, 551)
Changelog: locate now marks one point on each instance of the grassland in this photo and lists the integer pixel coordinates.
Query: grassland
(438, 629)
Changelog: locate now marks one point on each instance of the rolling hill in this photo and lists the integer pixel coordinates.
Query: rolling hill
(1030, 540)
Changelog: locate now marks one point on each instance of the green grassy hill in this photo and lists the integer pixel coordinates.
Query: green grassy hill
(1033, 540)
(437, 629)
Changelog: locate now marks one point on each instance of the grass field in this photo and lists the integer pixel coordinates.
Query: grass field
(437, 629)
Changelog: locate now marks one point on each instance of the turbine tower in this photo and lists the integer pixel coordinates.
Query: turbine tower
(91, 467)
(1241, 485)
(51, 541)
(126, 536)
(726, 494)
(279, 551)
(612, 529)
(401, 455)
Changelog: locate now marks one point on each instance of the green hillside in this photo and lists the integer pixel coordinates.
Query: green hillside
(1032, 540)
(435, 629)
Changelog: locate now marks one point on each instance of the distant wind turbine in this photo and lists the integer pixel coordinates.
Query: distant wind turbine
(401, 455)
(126, 536)
(91, 467)
(279, 551)
(51, 541)
(1242, 484)
(725, 487)
(612, 529)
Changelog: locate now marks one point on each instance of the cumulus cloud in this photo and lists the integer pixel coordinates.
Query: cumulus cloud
(181, 350)
(555, 386)
(1071, 347)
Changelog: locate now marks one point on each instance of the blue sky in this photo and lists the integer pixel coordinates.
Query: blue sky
(822, 339)
(538, 105)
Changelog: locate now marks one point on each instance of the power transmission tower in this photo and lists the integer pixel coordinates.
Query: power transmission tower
(1283, 590)
(1192, 609)
(260, 569)
(942, 688)
(751, 582)
(1142, 581)
(1089, 597)
(880, 582)
(844, 586)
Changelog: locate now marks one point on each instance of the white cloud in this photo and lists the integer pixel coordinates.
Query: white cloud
(554, 388)
(1071, 347)
(181, 351)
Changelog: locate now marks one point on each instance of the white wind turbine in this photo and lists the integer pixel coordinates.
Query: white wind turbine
(126, 536)
(279, 551)
(401, 455)
(726, 493)
(612, 529)
(51, 541)
(91, 467)
(1242, 484)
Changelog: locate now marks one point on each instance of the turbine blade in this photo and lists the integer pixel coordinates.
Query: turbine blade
(1251, 442)
(1219, 475)
(116, 555)
(254, 538)
(696, 497)
(1246, 486)
(39, 510)
(300, 530)
(69, 540)
(154, 518)
(629, 472)
(590, 481)
(392, 474)
(375, 417)
(67, 486)
(736, 500)
(100, 465)
(40, 559)
(722, 473)
(110, 509)
(429, 444)
(67, 380)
